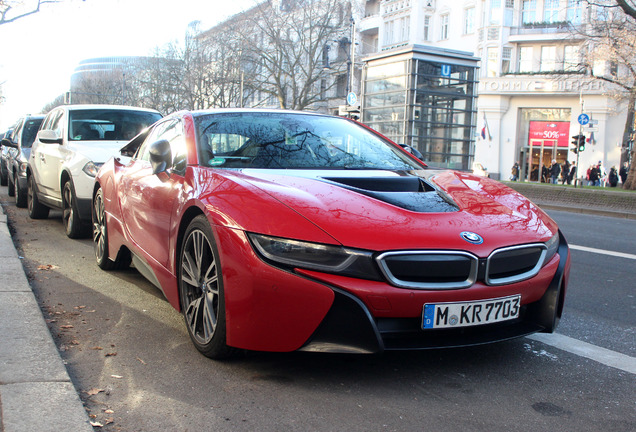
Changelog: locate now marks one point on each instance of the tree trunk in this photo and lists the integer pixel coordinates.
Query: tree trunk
(630, 183)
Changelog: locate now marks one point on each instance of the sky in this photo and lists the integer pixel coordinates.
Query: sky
(39, 53)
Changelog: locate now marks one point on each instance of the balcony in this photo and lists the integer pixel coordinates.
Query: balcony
(543, 31)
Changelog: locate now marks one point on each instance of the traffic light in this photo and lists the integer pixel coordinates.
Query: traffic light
(575, 143)
(581, 143)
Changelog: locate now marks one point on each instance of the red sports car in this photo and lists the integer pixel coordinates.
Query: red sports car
(282, 231)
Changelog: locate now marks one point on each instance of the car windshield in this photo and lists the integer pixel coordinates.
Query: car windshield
(30, 131)
(293, 141)
(108, 124)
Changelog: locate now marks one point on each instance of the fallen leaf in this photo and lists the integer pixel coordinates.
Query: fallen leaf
(113, 354)
(67, 326)
(94, 391)
(48, 267)
(96, 424)
(109, 411)
(141, 361)
(97, 348)
(117, 376)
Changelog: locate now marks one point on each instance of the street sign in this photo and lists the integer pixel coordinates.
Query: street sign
(352, 99)
(446, 70)
(593, 122)
(584, 119)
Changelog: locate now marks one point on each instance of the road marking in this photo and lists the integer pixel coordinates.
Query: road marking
(602, 355)
(603, 252)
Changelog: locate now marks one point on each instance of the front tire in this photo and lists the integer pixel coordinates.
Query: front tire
(37, 210)
(201, 290)
(70, 214)
(20, 196)
(10, 185)
(100, 237)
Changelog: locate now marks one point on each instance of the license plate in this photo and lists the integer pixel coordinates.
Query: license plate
(464, 314)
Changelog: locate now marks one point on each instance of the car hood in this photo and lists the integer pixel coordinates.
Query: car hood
(96, 151)
(382, 210)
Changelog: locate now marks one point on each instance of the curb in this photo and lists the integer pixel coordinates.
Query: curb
(36, 392)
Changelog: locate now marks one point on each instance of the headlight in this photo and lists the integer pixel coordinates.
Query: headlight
(91, 168)
(22, 169)
(289, 254)
(552, 247)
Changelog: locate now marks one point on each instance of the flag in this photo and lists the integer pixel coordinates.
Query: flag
(485, 130)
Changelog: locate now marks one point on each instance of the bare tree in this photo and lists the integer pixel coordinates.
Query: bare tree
(285, 41)
(609, 54)
(104, 88)
(8, 7)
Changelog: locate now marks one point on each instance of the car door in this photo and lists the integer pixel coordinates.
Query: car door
(47, 158)
(147, 200)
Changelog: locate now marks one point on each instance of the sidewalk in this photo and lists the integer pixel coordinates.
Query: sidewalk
(36, 393)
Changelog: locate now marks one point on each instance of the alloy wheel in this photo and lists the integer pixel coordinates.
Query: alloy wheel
(200, 286)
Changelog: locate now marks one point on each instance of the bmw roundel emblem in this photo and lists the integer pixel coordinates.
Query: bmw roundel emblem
(471, 237)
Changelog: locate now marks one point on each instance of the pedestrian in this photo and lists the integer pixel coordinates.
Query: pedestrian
(565, 172)
(514, 173)
(623, 172)
(544, 174)
(613, 177)
(572, 174)
(594, 176)
(602, 175)
(555, 170)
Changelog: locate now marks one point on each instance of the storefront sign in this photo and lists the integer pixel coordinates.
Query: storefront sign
(557, 131)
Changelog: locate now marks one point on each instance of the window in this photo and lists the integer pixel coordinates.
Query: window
(495, 12)
(491, 69)
(548, 59)
(469, 20)
(551, 11)
(506, 54)
(444, 27)
(574, 11)
(571, 58)
(529, 11)
(427, 28)
(525, 59)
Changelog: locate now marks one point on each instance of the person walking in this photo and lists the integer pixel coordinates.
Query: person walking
(555, 170)
(623, 172)
(613, 177)
(514, 173)
(572, 174)
(594, 176)
(565, 172)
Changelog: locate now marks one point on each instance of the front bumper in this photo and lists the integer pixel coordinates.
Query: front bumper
(349, 327)
(269, 309)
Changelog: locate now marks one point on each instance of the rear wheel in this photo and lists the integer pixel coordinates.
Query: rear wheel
(20, 195)
(70, 214)
(3, 175)
(37, 210)
(201, 290)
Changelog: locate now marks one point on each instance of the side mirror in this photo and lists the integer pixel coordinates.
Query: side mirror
(160, 156)
(49, 137)
(415, 152)
(8, 143)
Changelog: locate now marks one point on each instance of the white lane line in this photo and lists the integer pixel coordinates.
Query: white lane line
(603, 252)
(602, 355)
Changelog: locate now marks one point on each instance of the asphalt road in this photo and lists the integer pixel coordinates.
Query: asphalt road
(132, 362)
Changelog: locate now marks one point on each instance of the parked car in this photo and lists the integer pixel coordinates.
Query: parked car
(71, 145)
(4, 154)
(283, 231)
(19, 144)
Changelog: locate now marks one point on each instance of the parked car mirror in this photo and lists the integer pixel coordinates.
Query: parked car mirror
(160, 156)
(415, 152)
(7, 142)
(49, 137)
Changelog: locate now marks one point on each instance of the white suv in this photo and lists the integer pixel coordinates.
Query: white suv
(71, 145)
